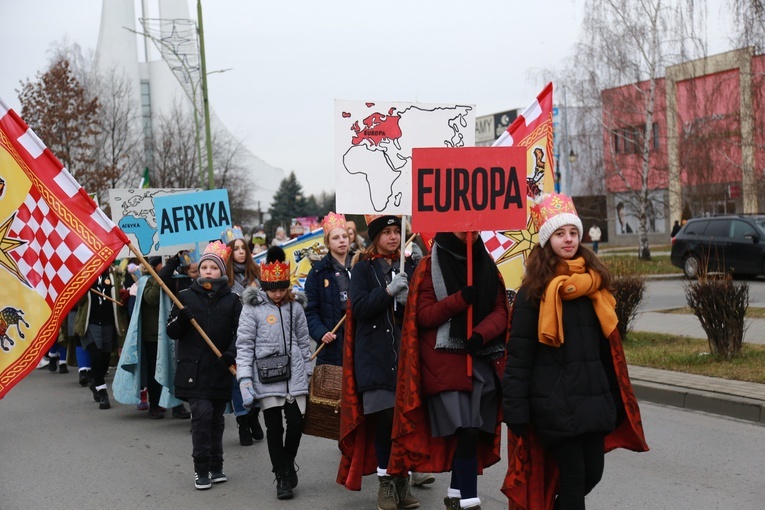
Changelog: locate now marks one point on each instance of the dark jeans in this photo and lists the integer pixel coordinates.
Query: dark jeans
(99, 362)
(207, 429)
(580, 463)
(282, 448)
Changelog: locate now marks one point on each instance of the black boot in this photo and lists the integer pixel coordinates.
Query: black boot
(283, 489)
(92, 386)
(202, 475)
(255, 428)
(62, 368)
(85, 377)
(245, 436)
(53, 364)
(292, 469)
(103, 399)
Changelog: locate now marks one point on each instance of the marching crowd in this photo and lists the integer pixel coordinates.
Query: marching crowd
(434, 358)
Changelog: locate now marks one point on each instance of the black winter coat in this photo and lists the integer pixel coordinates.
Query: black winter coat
(377, 326)
(324, 310)
(198, 374)
(565, 391)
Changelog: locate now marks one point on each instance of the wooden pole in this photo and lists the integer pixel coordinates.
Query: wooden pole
(94, 291)
(469, 244)
(333, 330)
(180, 306)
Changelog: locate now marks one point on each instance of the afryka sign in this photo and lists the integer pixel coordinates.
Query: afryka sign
(468, 189)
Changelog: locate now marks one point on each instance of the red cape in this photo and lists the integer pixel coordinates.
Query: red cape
(356, 437)
(531, 481)
(414, 449)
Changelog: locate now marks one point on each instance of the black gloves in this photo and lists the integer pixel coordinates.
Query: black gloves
(226, 360)
(185, 314)
(474, 343)
(518, 429)
(468, 294)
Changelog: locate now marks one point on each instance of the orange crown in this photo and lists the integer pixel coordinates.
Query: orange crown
(275, 272)
(332, 221)
(369, 218)
(219, 249)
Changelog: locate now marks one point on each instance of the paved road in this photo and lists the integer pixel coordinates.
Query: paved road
(60, 451)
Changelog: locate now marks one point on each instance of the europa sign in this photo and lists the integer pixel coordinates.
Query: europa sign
(468, 189)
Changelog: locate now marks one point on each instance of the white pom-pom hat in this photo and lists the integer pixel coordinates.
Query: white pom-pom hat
(552, 211)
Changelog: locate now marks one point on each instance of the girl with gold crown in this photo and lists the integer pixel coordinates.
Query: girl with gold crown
(273, 364)
(567, 398)
(201, 378)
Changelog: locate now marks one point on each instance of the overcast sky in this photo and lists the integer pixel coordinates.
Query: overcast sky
(291, 60)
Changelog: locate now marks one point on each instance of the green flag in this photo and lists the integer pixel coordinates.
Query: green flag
(145, 179)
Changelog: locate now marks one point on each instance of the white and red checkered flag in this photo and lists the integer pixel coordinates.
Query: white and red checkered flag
(54, 242)
(532, 129)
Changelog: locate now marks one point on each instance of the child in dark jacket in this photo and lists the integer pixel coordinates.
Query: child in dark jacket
(202, 378)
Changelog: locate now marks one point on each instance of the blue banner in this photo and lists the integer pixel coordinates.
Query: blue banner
(192, 217)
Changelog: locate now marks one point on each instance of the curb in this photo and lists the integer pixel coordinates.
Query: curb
(698, 400)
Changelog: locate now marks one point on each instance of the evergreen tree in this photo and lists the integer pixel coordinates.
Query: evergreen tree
(288, 203)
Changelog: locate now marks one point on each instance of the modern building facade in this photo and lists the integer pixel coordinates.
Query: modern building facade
(705, 144)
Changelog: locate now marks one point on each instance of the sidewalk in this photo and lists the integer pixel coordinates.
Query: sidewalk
(735, 399)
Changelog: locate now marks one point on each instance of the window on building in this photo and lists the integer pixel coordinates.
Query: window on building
(655, 136)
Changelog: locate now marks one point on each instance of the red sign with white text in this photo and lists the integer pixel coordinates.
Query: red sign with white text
(468, 189)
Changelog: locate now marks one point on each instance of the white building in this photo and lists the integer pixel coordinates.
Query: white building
(156, 88)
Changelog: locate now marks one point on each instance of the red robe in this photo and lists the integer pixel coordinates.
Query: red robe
(531, 481)
(414, 449)
(356, 436)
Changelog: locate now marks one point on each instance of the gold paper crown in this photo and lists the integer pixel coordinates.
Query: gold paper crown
(369, 218)
(219, 249)
(275, 272)
(231, 234)
(332, 221)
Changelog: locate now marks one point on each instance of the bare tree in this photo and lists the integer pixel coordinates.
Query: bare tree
(624, 50)
(118, 144)
(176, 162)
(58, 109)
(231, 173)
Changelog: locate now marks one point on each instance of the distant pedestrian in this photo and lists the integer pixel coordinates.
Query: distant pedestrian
(595, 234)
(565, 400)
(675, 229)
(280, 238)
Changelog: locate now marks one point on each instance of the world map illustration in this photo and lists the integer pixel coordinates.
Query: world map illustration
(377, 143)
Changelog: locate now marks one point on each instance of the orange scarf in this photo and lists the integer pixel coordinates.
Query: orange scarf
(573, 280)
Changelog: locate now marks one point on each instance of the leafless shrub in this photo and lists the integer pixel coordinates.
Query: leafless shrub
(628, 292)
(720, 303)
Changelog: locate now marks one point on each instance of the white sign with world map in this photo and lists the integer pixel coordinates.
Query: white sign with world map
(133, 210)
(373, 149)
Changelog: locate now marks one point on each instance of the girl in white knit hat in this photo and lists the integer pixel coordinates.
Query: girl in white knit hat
(566, 386)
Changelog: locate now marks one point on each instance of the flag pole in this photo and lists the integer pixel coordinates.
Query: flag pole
(180, 306)
(403, 244)
(333, 331)
(469, 244)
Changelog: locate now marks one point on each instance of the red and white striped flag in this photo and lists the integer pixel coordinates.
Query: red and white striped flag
(532, 129)
(54, 242)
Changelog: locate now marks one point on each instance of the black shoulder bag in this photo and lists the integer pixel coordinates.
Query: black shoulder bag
(277, 367)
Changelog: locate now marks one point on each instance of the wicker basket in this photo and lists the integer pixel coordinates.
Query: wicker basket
(322, 415)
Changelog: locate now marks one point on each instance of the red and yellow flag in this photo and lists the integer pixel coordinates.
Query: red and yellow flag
(532, 129)
(54, 242)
